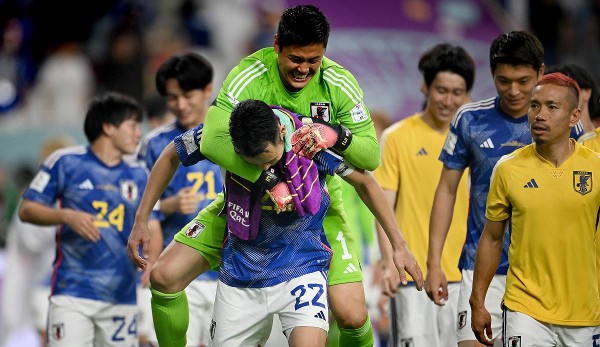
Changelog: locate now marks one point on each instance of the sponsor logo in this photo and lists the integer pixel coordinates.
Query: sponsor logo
(462, 319)
(129, 190)
(350, 268)
(514, 341)
(487, 143)
(422, 152)
(195, 229)
(320, 110)
(582, 182)
(86, 185)
(531, 184)
(321, 315)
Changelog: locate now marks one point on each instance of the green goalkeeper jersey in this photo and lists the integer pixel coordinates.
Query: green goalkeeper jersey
(332, 94)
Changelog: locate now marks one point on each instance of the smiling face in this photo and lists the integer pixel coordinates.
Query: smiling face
(552, 113)
(447, 92)
(514, 84)
(188, 106)
(126, 136)
(298, 64)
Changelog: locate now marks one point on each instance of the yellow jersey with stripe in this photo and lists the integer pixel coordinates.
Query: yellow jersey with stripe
(552, 274)
(410, 167)
(591, 140)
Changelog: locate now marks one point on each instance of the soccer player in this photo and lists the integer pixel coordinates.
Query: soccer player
(93, 299)
(185, 81)
(409, 173)
(480, 133)
(293, 74)
(546, 191)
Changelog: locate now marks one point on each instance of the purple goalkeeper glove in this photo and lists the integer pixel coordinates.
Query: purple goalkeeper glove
(313, 137)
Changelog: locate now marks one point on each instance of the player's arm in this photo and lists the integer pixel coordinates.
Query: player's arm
(487, 259)
(374, 198)
(444, 199)
(390, 278)
(81, 222)
(161, 174)
(156, 246)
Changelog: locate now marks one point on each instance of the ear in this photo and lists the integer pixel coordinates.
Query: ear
(107, 129)
(208, 89)
(282, 131)
(276, 43)
(541, 70)
(575, 117)
(585, 95)
(424, 88)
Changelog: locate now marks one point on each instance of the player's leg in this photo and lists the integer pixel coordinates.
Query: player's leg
(69, 322)
(303, 309)
(201, 299)
(522, 330)
(240, 317)
(414, 319)
(346, 291)
(195, 250)
(446, 316)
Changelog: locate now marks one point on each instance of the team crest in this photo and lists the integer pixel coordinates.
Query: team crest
(407, 342)
(213, 326)
(462, 319)
(129, 190)
(195, 229)
(320, 110)
(57, 331)
(514, 341)
(582, 182)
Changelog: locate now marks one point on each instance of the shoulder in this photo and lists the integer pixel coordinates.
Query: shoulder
(157, 135)
(473, 110)
(64, 153)
(590, 136)
(400, 128)
(339, 78)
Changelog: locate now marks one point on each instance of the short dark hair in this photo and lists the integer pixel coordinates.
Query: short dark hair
(110, 108)
(562, 80)
(585, 81)
(302, 25)
(517, 48)
(252, 126)
(446, 57)
(191, 70)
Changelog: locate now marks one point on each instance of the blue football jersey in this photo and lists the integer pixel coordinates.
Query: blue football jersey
(202, 176)
(479, 135)
(78, 180)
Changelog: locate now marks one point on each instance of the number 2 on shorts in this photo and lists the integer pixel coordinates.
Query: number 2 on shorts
(300, 291)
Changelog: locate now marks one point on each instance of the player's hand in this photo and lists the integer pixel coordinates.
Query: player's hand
(140, 234)
(281, 197)
(436, 286)
(317, 134)
(406, 262)
(83, 224)
(481, 324)
(187, 202)
(145, 279)
(386, 276)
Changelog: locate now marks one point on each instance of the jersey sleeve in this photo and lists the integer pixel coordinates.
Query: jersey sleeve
(388, 173)
(46, 185)
(498, 205)
(187, 146)
(455, 153)
(351, 112)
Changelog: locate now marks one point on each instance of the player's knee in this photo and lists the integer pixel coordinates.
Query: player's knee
(352, 318)
(162, 280)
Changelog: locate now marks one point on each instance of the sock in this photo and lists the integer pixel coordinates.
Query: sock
(171, 316)
(361, 337)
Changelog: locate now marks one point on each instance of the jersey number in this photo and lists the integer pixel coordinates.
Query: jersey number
(131, 328)
(346, 255)
(300, 291)
(115, 216)
(198, 179)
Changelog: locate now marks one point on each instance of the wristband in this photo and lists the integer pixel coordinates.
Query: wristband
(269, 179)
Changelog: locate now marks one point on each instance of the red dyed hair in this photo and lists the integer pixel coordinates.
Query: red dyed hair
(562, 80)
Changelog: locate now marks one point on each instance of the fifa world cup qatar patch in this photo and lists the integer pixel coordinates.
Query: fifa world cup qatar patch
(582, 182)
(57, 331)
(359, 113)
(129, 190)
(514, 341)
(320, 110)
(462, 319)
(195, 229)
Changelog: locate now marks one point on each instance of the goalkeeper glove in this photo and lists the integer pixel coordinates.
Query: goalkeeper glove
(275, 185)
(318, 135)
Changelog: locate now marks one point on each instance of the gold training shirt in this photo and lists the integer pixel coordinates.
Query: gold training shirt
(552, 274)
(410, 167)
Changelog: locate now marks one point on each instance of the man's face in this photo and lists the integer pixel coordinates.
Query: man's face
(126, 136)
(552, 113)
(272, 154)
(188, 106)
(446, 93)
(514, 84)
(298, 64)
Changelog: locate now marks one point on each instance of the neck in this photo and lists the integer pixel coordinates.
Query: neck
(556, 153)
(429, 119)
(106, 152)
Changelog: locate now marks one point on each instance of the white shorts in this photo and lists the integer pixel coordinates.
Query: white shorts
(145, 322)
(420, 322)
(75, 322)
(521, 330)
(39, 306)
(244, 316)
(201, 299)
(493, 303)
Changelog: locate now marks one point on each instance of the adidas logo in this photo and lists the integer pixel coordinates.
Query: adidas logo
(350, 268)
(531, 184)
(321, 315)
(421, 152)
(487, 143)
(87, 185)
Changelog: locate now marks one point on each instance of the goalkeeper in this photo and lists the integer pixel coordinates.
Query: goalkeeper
(295, 74)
